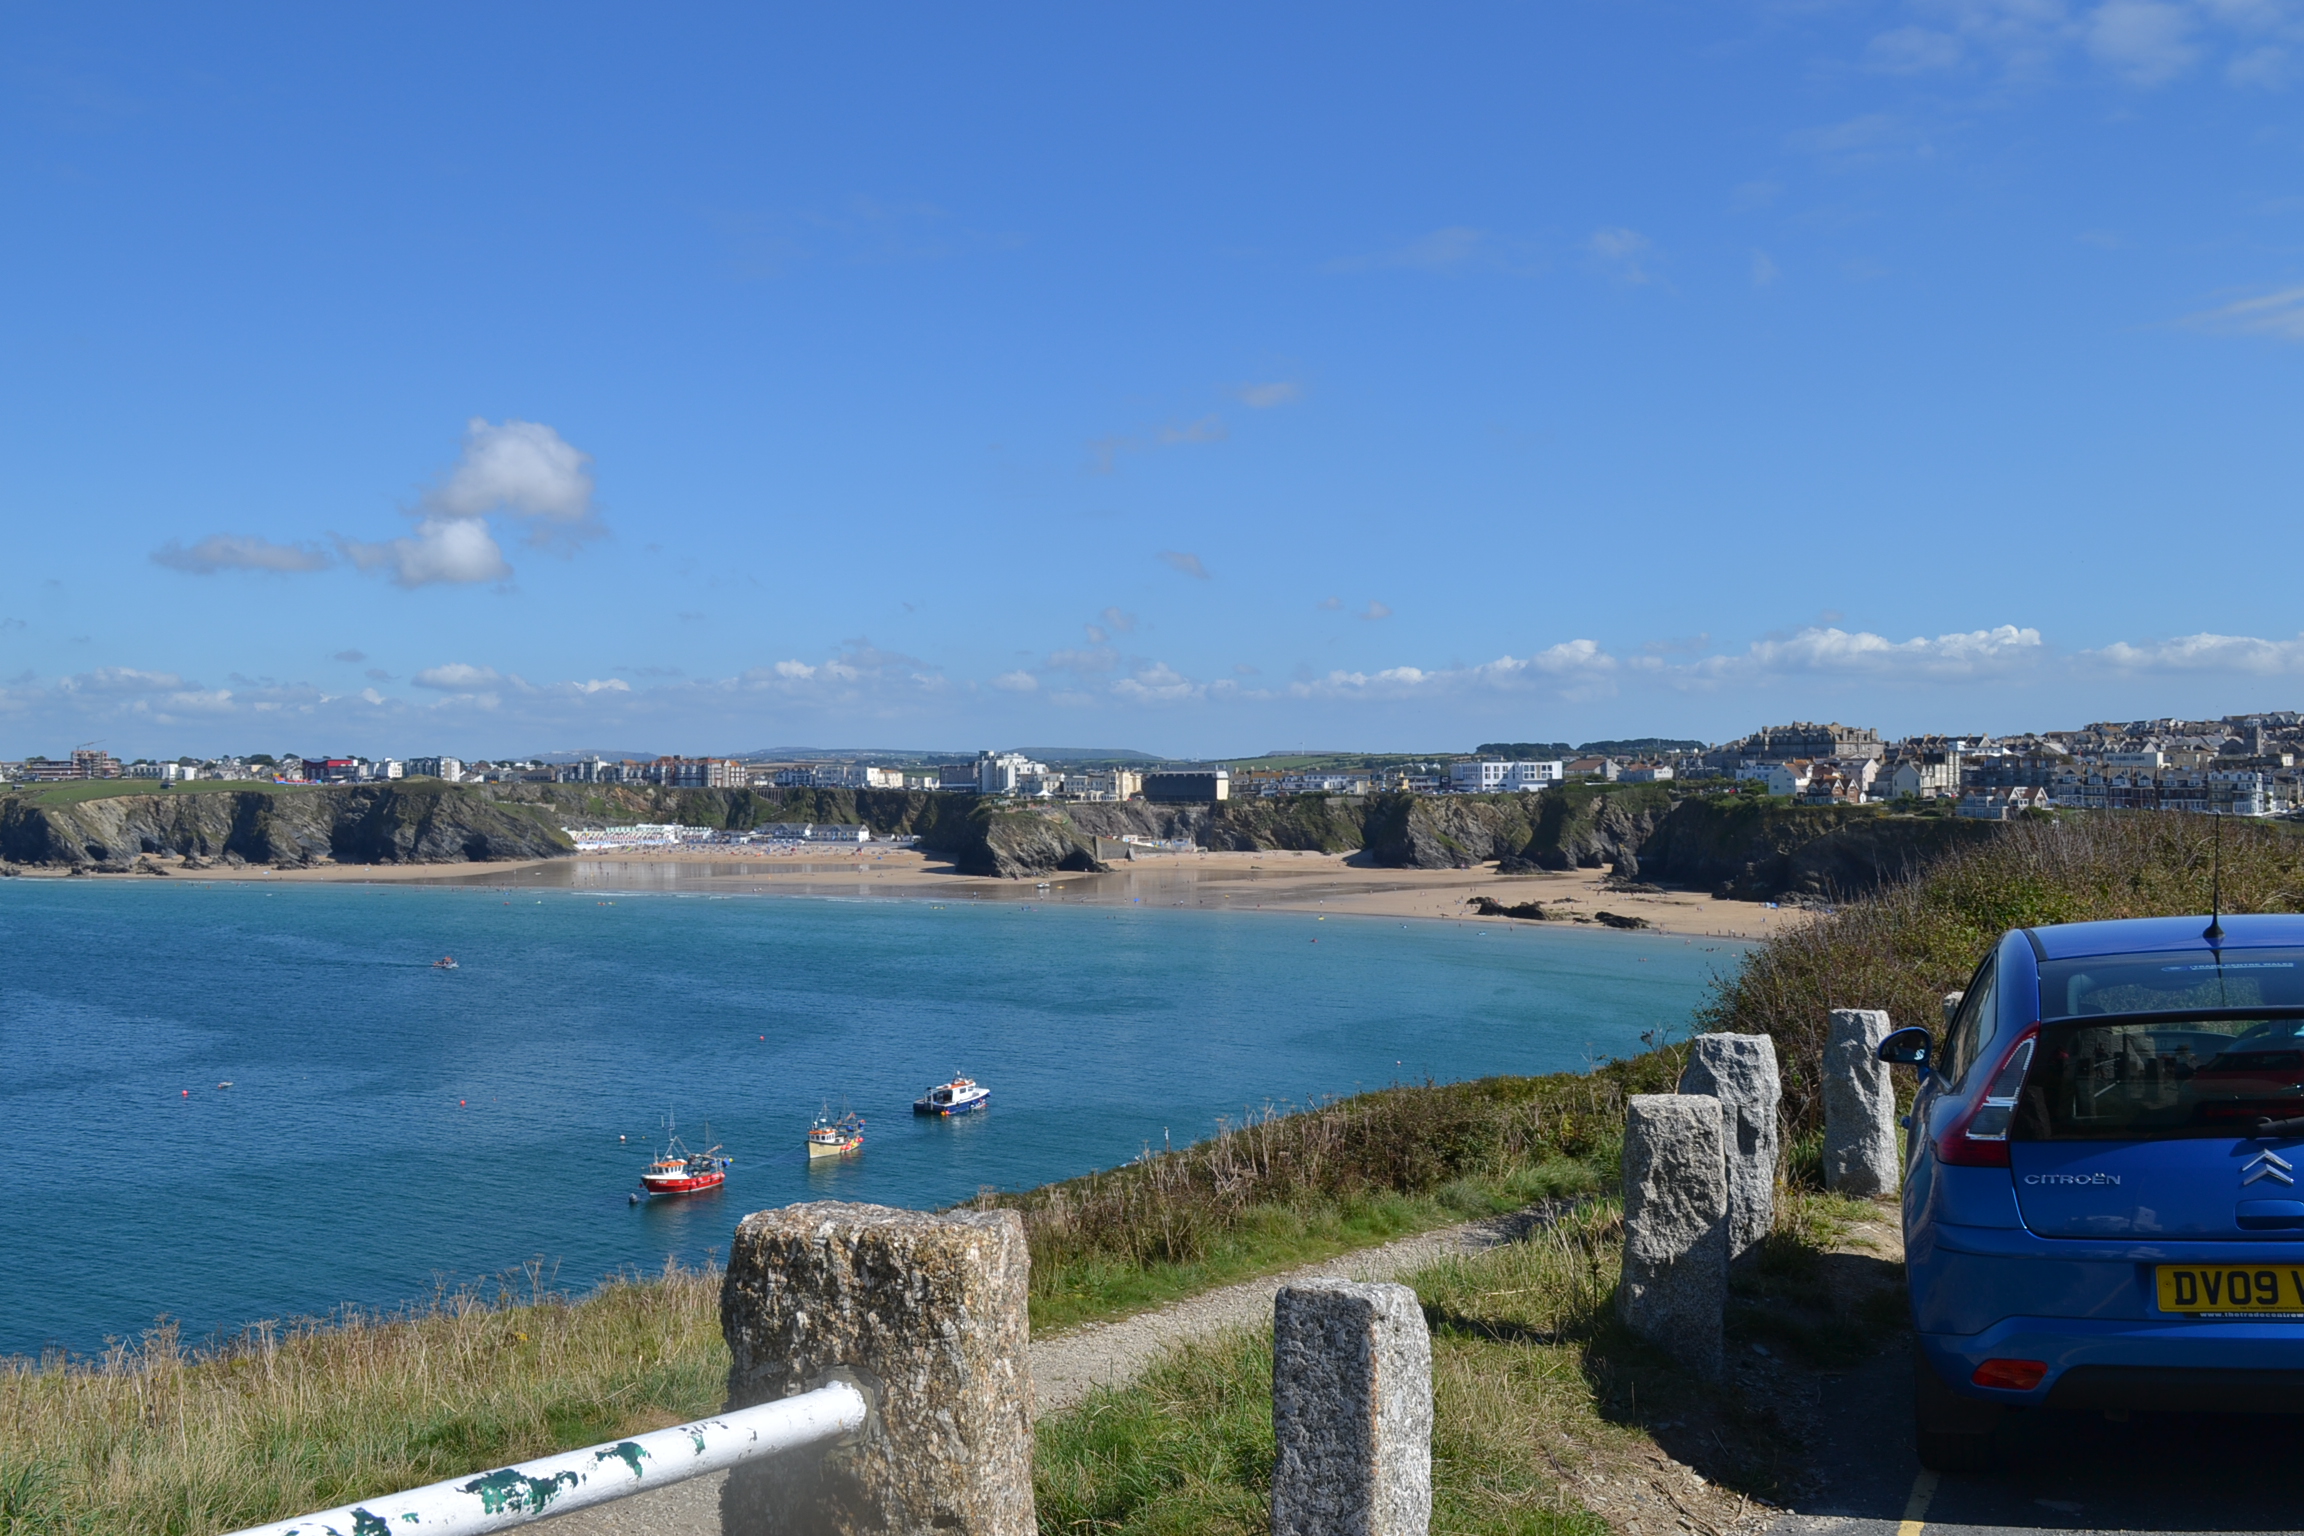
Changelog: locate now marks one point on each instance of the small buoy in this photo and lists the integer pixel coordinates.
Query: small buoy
(632, 1199)
(187, 1093)
(619, 1138)
(459, 1103)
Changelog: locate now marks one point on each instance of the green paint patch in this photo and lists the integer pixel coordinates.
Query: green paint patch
(626, 1451)
(509, 1492)
(366, 1524)
(698, 1439)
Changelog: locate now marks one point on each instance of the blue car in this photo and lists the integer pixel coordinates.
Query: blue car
(2101, 1201)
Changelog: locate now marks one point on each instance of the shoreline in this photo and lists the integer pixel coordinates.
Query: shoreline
(1267, 881)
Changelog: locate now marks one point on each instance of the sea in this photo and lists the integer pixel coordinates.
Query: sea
(228, 1103)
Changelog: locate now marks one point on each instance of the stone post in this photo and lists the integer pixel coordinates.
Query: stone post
(1740, 1071)
(927, 1314)
(1351, 1411)
(1675, 1287)
(1952, 1007)
(1859, 1106)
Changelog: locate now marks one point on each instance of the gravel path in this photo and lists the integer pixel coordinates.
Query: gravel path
(1067, 1366)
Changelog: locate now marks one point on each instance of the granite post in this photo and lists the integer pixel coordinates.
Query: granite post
(1740, 1071)
(927, 1314)
(1351, 1411)
(1859, 1106)
(1674, 1292)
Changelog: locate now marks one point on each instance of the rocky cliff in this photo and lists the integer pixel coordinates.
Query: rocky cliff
(419, 823)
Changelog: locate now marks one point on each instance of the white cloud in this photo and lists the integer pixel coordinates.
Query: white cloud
(2204, 653)
(1187, 563)
(798, 671)
(1574, 669)
(1826, 649)
(2265, 68)
(234, 552)
(1157, 683)
(1764, 269)
(1208, 429)
(1451, 249)
(1912, 51)
(521, 467)
(122, 680)
(1100, 659)
(1374, 610)
(1118, 621)
(451, 550)
(1621, 251)
(1263, 397)
(2145, 42)
(602, 685)
(457, 677)
(2278, 314)
(1016, 682)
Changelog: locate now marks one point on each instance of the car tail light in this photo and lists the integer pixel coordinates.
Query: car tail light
(2010, 1375)
(1979, 1138)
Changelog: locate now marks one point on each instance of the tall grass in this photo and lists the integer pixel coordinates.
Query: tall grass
(1903, 947)
(1274, 1188)
(155, 1437)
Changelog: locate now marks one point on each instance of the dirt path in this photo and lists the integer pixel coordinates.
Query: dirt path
(1066, 1367)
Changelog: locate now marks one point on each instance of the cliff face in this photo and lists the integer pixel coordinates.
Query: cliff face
(1585, 826)
(1454, 832)
(1756, 849)
(421, 823)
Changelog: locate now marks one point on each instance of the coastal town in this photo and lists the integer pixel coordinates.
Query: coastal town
(2239, 765)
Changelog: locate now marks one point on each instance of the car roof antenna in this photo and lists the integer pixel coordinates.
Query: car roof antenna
(2214, 932)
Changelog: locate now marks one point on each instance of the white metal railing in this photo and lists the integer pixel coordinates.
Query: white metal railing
(554, 1485)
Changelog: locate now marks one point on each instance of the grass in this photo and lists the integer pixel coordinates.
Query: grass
(153, 1437)
(1539, 1398)
(52, 795)
(1277, 1190)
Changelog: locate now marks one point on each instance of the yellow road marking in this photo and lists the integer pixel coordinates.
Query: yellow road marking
(1916, 1507)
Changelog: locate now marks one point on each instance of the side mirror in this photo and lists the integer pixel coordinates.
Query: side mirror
(1911, 1046)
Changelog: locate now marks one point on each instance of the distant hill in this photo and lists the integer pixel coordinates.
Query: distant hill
(1088, 755)
(586, 754)
(1636, 746)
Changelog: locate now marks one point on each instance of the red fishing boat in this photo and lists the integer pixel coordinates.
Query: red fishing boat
(682, 1172)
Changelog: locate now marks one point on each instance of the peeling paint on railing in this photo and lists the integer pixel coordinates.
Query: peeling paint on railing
(554, 1485)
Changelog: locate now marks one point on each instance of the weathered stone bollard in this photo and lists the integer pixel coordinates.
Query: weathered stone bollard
(1859, 1106)
(1351, 1411)
(927, 1314)
(1740, 1071)
(1675, 1287)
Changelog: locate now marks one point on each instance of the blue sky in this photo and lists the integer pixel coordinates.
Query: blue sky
(1198, 379)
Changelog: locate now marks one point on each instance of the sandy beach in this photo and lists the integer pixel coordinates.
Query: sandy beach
(1268, 881)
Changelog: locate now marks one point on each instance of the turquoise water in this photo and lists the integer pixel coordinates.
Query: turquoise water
(390, 1125)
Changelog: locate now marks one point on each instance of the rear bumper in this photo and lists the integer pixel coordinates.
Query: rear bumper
(2152, 1364)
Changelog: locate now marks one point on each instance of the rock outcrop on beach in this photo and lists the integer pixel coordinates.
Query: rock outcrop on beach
(422, 822)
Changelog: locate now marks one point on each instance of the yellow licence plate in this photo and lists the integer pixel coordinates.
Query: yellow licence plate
(2231, 1287)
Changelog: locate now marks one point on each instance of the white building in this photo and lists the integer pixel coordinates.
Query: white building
(1492, 776)
(1646, 773)
(166, 773)
(999, 773)
(449, 768)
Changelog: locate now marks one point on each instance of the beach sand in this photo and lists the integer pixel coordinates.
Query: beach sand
(1241, 882)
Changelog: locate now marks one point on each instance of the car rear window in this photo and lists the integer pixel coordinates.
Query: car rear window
(2132, 1080)
(2171, 981)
